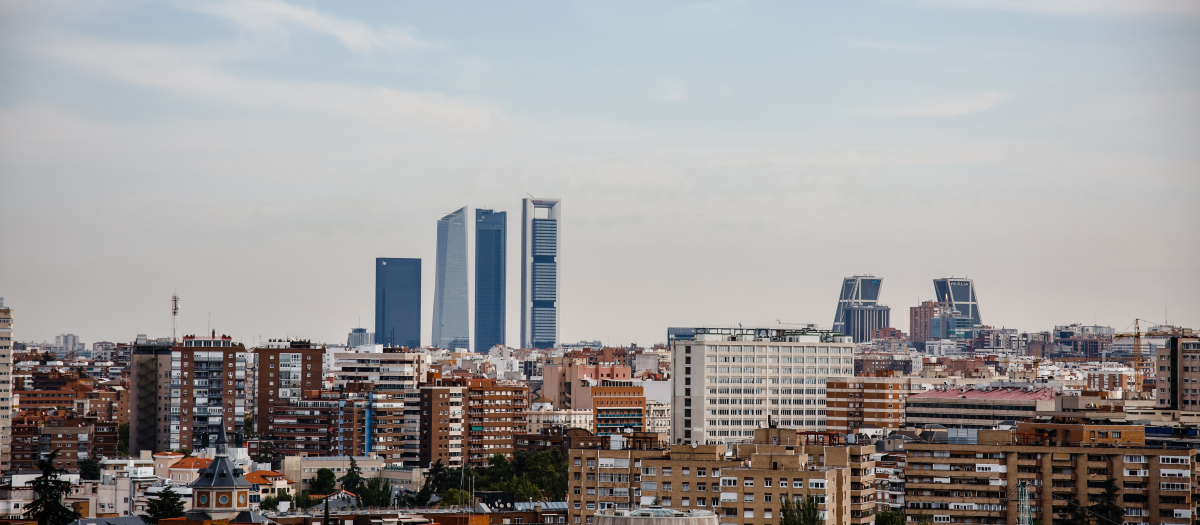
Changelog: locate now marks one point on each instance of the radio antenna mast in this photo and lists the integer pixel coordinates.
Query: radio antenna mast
(174, 314)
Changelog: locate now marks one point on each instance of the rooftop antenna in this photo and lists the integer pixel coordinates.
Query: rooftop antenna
(174, 314)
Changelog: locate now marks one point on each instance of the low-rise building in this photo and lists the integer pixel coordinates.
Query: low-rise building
(977, 407)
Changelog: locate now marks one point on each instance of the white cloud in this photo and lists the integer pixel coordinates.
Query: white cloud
(273, 15)
(947, 107)
(1076, 7)
(196, 74)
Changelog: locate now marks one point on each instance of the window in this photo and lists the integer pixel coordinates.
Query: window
(748, 498)
(748, 513)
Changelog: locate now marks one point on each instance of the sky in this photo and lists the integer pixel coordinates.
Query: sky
(718, 162)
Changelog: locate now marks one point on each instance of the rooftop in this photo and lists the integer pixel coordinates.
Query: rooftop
(1003, 393)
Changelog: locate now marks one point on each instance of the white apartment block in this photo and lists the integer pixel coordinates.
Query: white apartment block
(730, 381)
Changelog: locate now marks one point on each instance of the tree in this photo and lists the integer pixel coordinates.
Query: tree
(269, 503)
(248, 428)
(803, 513)
(304, 500)
(923, 519)
(454, 497)
(523, 489)
(89, 469)
(324, 483)
(1106, 510)
(187, 452)
(376, 492)
(123, 440)
(497, 471)
(547, 470)
(888, 517)
(353, 478)
(47, 507)
(168, 504)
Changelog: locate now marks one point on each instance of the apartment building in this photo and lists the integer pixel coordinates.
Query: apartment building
(286, 369)
(975, 476)
(658, 418)
(566, 418)
(561, 377)
(37, 435)
(877, 402)
(441, 425)
(728, 381)
(743, 483)
(983, 407)
(617, 405)
(495, 413)
(6, 387)
(1177, 366)
(183, 392)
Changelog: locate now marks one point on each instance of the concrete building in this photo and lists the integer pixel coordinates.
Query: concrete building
(443, 438)
(537, 420)
(741, 483)
(974, 477)
(918, 321)
(185, 392)
(1177, 365)
(398, 302)
(302, 470)
(286, 368)
(617, 406)
(877, 402)
(541, 230)
(451, 317)
(658, 418)
(359, 337)
(6, 387)
(561, 377)
(491, 279)
(860, 321)
(977, 407)
(495, 413)
(727, 381)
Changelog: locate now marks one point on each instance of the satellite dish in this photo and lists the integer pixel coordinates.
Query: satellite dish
(694, 445)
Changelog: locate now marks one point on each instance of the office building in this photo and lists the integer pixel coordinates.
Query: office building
(398, 302)
(541, 231)
(860, 321)
(975, 475)
(728, 382)
(491, 249)
(180, 393)
(862, 290)
(6, 386)
(1177, 367)
(359, 337)
(958, 294)
(451, 325)
(969, 406)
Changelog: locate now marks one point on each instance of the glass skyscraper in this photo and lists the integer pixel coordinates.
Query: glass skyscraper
(958, 294)
(491, 246)
(540, 230)
(860, 290)
(398, 302)
(451, 323)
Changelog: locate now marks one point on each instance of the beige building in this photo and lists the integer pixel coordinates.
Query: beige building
(975, 477)
(301, 470)
(658, 418)
(6, 388)
(742, 484)
(565, 418)
(864, 402)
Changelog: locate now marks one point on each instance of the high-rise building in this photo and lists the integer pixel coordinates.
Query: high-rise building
(6, 387)
(68, 341)
(286, 369)
(491, 247)
(182, 392)
(451, 323)
(958, 294)
(861, 320)
(540, 244)
(757, 377)
(398, 302)
(359, 337)
(918, 321)
(858, 290)
(1175, 365)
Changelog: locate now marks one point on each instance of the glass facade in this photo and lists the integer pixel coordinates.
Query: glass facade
(958, 294)
(491, 246)
(451, 323)
(860, 290)
(540, 260)
(398, 302)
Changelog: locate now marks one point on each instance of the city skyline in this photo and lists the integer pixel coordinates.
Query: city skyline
(723, 162)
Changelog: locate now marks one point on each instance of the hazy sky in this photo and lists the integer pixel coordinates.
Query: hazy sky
(718, 162)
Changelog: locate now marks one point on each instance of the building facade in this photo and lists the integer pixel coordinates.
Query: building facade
(491, 278)
(451, 322)
(541, 230)
(1177, 365)
(977, 406)
(861, 290)
(6, 386)
(398, 302)
(728, 382)
(860, 321)
(958, 294)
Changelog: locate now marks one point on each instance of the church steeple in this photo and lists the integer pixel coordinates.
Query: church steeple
(222, 443)
(220, 491)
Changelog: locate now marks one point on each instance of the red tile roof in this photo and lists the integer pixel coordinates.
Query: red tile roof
(262, 477)
(192, 463)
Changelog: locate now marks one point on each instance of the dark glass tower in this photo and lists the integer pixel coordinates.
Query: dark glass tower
(958, 294)
(860, 290)
(451, 323)
(540, 229)
(398, 302)
(491, 245)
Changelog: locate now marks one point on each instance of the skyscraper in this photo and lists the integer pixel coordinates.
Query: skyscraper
(861, 320)
(861, 290)
(958, 294)
(359, 337)
(398, 302)
(491, 246)
(540, 231)
(451, 322)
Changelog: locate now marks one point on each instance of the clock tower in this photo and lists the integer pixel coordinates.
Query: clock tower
(221, 492)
